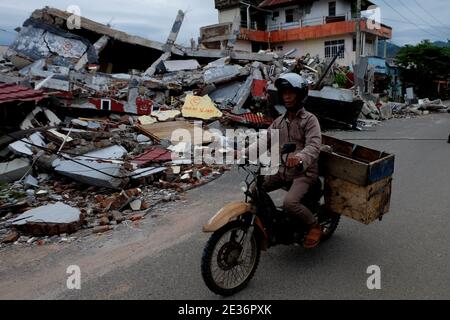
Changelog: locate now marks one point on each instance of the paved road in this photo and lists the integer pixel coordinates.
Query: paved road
(411, 245)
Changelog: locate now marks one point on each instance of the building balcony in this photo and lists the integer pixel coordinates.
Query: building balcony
(309, 22)
(299, 32)
(324, 27)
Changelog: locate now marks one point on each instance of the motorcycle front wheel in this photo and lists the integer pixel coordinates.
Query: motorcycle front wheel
(230, 259)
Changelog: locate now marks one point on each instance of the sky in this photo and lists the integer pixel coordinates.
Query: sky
(411, 20)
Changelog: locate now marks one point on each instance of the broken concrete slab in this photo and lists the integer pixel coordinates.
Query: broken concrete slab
(98, 46)
(21, 147)
(37, 40)
(14, 170)
(62, 17)
(225, 94)
(100, 174)
(219, 63)
(179, 65)
(222, 74)
(31, 181)
(168, 46)
(166, 115)
(98, 168)
(331, 93)
(242, 96)
(146, 172)
(49, 220)
(30, 121)
(109, 153)
(144, 120)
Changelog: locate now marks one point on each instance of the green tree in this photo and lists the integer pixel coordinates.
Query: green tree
(423, 64)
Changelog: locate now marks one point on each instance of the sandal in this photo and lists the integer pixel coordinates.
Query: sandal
(312, 239)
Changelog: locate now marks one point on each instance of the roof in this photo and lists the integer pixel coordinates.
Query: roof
(12, 92)
(154, 154)
(278, 3)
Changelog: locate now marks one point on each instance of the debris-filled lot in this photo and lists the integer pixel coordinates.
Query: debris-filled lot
(86, 130)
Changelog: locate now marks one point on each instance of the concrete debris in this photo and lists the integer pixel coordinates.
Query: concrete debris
(222, 74)
(179, 65)
(49, 220)
(31, 181)
(14, 170)
(166, 115)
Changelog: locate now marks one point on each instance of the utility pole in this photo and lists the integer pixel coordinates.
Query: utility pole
(358, 40)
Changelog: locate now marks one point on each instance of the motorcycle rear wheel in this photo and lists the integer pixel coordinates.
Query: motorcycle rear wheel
(225, 270)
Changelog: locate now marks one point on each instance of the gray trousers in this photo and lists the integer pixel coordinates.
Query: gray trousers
(292, 201)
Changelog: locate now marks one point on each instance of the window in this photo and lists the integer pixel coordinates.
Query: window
(333, 47)
(332, 9)
(106, 104)
(289, 15)
(277, 48)
(275, 15)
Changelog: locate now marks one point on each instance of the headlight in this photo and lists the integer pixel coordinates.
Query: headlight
(244, 187)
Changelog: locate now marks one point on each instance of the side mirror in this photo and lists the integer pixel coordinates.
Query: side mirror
(288, 148)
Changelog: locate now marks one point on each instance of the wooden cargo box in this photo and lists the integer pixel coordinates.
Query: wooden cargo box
(358, 180)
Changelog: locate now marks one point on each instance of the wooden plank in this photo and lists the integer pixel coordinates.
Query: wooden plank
(363, 204)
(354, 163)
(164, 130)
(381, 169)
(342, 167)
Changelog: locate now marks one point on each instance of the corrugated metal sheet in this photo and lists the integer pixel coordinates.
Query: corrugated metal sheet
(12, 92)
(153, 155)
(251, 118)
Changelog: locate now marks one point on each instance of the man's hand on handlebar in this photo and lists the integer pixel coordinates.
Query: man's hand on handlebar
(294, 161)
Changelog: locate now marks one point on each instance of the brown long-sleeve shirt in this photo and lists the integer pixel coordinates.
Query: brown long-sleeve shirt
(304, 130)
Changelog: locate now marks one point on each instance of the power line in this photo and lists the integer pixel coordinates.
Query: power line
(406, 19)
(432, 16)
(418, 16)
(415, 24)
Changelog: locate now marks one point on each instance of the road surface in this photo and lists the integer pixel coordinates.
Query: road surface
(160, 258)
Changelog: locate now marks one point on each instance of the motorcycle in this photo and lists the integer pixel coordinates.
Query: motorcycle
(241, 230)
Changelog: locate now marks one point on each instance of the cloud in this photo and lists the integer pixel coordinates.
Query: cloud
(153, 18)
(148, 18)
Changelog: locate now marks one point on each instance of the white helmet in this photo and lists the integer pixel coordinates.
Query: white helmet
(294, 82)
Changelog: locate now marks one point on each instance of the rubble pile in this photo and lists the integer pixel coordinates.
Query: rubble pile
(90, 115)
(87, 147)
(385, 111)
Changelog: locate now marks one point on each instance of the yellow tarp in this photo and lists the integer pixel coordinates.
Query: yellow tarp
(200, 108)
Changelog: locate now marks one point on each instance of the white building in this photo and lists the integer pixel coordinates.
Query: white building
(317, 27)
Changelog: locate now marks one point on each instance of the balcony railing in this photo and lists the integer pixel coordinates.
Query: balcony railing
(309, 22)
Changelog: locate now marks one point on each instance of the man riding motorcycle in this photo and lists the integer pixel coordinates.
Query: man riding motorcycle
(300, 170)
